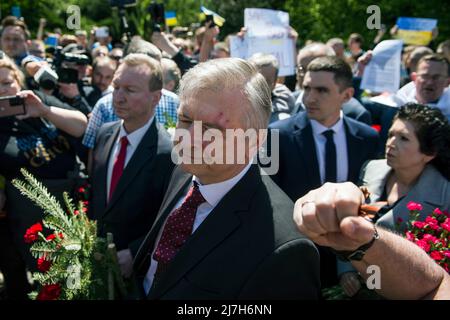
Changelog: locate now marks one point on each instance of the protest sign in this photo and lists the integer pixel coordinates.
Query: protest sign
(382, 74)
(267, 32)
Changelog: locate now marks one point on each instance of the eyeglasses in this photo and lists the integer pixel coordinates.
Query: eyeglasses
(301, 70)
(435, 77)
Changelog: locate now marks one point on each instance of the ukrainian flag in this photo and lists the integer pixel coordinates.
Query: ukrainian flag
(218, 20)
(171, 18)
(416, 31)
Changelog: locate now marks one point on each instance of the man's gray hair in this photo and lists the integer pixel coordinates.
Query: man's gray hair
(171, 72)
(316, 49)
(140, 59)
(219, 75)
(261, 60)
(141, 46)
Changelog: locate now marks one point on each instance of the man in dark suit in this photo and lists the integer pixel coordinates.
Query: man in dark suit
(322, 145)
(132, 163)
(217, 235)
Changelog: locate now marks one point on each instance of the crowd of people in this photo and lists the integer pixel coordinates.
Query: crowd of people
(99, 111)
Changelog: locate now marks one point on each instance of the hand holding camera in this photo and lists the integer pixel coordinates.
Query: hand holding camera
(34, 108)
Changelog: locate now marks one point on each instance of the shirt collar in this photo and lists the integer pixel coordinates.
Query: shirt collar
(214, 192)
(318, 128)
(136, 136)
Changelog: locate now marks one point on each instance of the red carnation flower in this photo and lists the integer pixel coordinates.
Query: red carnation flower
(43, 265)
(410, 236)
(49, 292)
(418, 224)
(412, 206)
(81, 190)
(52, 236)
(446, 226)
(424, 245)
(436, 255)
(32, 233)
(429, 238)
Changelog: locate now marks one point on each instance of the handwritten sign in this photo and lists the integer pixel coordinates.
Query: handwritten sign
(267, 32)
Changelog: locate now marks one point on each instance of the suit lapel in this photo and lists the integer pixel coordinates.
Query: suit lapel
(355, 144)
(102, 188)
(178, 186)
(143, 155)
(222, 221)
(307, 148)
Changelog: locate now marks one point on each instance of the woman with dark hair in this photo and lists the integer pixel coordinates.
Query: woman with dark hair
(416, 168)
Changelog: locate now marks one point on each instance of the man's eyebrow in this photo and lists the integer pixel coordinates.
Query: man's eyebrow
(212, 126)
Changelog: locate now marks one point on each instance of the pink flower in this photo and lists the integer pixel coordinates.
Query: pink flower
(410, 236)
(445, 266)
(399, 220)
(430, 238)
(438, 212)
(447, 254)
(431, 220)
(424, 245)
(418, 224)
(436, 255)
(412, 206)
(446, 226)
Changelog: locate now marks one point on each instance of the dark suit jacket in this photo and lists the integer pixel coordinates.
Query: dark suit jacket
(247, 248)
(299, 169)
(138, 195)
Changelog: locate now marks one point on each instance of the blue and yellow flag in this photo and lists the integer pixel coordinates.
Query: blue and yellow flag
(171, 18)
(218, 20)
(416, 31)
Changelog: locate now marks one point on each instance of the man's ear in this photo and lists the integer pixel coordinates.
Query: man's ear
(413, 76)
(156, 96)
(348, 94)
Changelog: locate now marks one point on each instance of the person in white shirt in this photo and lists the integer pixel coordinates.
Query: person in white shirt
(321, 144)
(224, 231)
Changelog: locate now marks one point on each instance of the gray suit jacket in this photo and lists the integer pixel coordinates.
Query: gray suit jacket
(432, 191)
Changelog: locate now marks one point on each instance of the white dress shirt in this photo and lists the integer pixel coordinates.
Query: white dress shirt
(212, 193)
(340, 141)
(134, 139)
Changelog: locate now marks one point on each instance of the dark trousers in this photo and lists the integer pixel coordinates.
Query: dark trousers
(12, 265)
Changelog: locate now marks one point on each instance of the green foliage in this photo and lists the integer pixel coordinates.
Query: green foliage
(313, 19)
(78, 261)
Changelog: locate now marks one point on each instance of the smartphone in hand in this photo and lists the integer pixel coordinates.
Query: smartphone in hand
(11, 106)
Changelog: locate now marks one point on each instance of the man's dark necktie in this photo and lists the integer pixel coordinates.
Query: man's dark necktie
(178, 228)
(330, 157)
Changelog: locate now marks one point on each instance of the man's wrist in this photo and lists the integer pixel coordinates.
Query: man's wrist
(357, 254)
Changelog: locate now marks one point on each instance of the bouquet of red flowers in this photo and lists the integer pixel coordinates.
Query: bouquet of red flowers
(73, 263)
(432, 234)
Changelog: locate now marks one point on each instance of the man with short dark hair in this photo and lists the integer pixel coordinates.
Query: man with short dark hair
(322, 145)
(352, 108)
(131, 161)
(15, 39)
